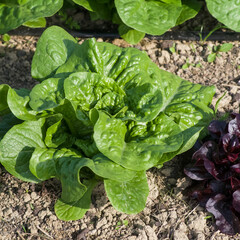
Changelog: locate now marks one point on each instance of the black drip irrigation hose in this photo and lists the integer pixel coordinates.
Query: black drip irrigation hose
(170, 35)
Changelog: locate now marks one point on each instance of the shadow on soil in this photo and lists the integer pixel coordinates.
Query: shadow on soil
(16, 67)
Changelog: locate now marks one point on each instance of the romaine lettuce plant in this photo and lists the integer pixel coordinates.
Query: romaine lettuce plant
(100, 113)
(217, 168)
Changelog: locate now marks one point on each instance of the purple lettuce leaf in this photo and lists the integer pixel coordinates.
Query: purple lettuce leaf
(217, 128)
(236, 200)
(234, 125)
(226, 219)
(236, 168)
(235, 183)
(197, 173)
(231, 146)
(217, 171)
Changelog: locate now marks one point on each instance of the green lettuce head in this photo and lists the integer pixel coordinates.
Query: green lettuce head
(100, 113)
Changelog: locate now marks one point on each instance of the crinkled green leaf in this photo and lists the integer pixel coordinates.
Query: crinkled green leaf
(85, 58)
(78, 125)
(68, 170)
(128, 196)
(57, 135)
(141, 152)
(190, 137)
(76, 209)
(87, 88)
(152, 17)
(47, 95)
(17, 146)
(12, 15)
(226, 12)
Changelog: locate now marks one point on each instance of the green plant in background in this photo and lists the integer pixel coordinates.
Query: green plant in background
(31, 13)
(217, 49)
(69, 21)
(100, 113)
(226, 12)
(137, 17)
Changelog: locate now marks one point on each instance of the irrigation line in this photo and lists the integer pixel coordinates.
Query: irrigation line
(171, 35)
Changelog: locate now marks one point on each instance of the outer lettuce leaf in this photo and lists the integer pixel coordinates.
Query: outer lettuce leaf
(42, 162)
(13, 14)
(7, 122)
(85, 58)
(53, 49)
(77, 208)
(89, 5)
(152, 17)
(76, 195)
(226, 12)
(17, 146)
(128, 196)
(18, 102)
(4, 109)
(106, 168)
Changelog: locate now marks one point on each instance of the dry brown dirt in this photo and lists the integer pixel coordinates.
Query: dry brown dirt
(26, 209)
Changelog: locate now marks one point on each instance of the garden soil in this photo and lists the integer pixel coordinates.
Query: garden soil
(27, 210)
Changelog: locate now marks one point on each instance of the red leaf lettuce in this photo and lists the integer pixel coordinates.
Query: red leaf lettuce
(217, 168)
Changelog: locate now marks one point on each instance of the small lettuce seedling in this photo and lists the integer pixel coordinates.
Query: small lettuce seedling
(6, 38)
(217, 49)
(100, 113)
